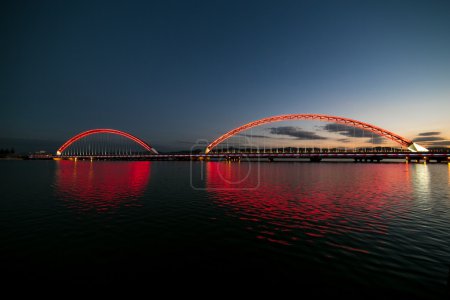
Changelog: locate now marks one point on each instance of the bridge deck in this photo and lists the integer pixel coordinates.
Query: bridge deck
(358, 156)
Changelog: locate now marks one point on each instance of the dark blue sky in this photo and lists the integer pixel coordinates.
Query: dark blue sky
(173, 72)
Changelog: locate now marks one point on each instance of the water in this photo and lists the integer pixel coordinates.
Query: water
(354, 229)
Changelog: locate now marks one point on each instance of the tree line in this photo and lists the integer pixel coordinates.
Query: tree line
(6, 151)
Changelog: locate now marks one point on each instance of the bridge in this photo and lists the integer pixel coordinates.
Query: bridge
(114, 144)
(313, 157)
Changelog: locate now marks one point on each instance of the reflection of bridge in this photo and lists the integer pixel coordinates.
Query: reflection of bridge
(80, 147)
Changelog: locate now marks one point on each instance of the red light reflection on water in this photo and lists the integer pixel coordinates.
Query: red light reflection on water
(101, 185)
(285, 202)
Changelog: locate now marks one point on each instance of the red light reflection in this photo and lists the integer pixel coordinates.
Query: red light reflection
(101, 185)
(295, 201)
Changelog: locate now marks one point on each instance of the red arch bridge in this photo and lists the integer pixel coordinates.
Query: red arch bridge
(116, 144)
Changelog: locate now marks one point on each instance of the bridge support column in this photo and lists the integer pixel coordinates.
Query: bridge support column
(315, 159)
(271, 159)
(233, 159)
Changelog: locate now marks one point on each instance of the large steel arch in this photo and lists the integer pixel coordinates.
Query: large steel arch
(81, 135)
(320, 117)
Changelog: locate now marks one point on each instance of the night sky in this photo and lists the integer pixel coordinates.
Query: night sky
(172, 72)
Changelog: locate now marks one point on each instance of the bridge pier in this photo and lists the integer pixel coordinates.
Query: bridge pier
(315, 159)
(367, 159)
(271, 159)
(413, 159)
(232, 159)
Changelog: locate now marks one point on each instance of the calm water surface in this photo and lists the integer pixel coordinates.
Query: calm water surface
(344, 227)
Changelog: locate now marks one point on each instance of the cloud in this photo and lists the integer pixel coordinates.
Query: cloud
(343, 140)
(428, 139)
(252, 135)
(345, 130)
(432, 139)
(351, 131)
(296, 132)
(377, 140)
(429, 133)
(441, 143)
(258, 136)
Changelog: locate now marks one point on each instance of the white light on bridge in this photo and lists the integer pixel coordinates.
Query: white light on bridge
(414, 147)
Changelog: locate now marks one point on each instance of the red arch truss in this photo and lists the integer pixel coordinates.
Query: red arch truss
(341, 120)
(113, 131)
